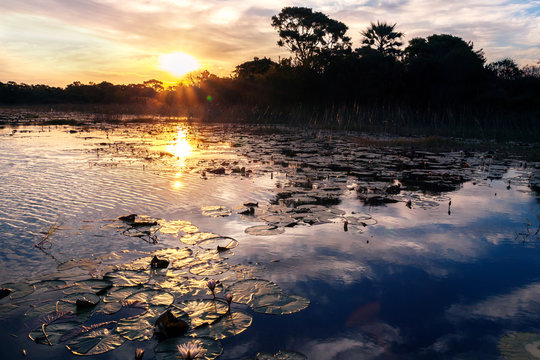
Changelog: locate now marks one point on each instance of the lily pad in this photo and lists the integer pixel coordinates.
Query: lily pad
(202, 312)
(82, 300)
(209, 269)
(116, 294)
(278, 304)
(152, 297)
(141, 328)
(19, 290)
(520, 346)
(174, 226)
(52, 334)
(96, 341)
(220, 243)
(95, 286)
(263, 230)
(227, 326)
(216, 211)
(127, 277)
(193, 239)
(245, 290)
(168, 349)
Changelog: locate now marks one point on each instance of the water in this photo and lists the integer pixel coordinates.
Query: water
(385, 281)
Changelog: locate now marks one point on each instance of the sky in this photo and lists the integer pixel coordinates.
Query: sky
(57, 42)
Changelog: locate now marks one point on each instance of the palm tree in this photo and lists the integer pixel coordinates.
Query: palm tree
(382, 38)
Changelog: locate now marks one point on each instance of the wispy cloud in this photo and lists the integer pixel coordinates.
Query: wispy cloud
(70, 37)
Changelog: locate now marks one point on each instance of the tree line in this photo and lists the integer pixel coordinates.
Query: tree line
(439, 73)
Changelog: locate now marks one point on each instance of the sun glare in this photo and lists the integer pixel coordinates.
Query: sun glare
(178, 64)
(180, 146)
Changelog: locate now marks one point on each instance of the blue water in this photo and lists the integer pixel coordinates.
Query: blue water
(416, 283)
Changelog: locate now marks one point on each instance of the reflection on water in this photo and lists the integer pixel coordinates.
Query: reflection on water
(403, 254)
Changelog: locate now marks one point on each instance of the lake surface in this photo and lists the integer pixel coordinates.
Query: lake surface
(388, 253)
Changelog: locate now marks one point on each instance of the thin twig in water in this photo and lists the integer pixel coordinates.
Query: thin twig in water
(52, 229)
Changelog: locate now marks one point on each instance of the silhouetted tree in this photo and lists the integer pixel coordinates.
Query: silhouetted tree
(382, 38)
(506, 69)
(312, 36)
(255, 68)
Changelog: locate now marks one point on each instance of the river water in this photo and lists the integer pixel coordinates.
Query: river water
(402, 254)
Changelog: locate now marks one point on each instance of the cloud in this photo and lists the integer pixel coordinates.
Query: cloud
(225, 33)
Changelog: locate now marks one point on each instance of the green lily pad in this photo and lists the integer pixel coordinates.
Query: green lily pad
(520, 346)
(152, 297)
(264, 230)
(220, 243)
(193, 239)
(209, 269)
(127, 277)
(245, 290)
(82, 300)
(138, 328)
(168, 349)
(227, 326)
(172, 254)
(202, 312)
(216, 211)
(278, 304)
(49, 285)
(96, 341)
(119, 293)
(41, 309)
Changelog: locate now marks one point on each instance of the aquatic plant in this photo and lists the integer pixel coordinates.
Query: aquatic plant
(189, 351)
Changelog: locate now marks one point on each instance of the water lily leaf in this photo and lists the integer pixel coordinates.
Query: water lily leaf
(119, 293)
(209, 269)
(520, 346)
(138, 328)
(220, 243)
(96, 341)
(127, 277)
(82, 300)
(227, 326)
(173, 253)
(263, 230)
(19, 290)
(216, 211)
(282, 355)
(174, 226)
(49, 284)
(137, 264)
(202, 312)
(193, 239)
(152, 297)
(278, 304)
(51, 334)
(95, 286)
(41, 309)
(245, 290)
(168, 349)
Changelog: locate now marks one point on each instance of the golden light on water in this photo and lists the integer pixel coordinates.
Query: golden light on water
(178, 64)
(180, 146)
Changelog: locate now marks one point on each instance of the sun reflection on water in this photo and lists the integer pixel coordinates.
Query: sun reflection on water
(180, 146)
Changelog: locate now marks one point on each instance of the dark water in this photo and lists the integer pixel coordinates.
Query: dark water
(403, 254)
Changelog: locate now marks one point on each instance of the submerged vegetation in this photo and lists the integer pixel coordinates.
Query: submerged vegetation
(438, 85)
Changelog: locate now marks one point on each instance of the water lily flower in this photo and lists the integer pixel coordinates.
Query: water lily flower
(212, 286)
(189, 351)
(229, 298)
(139, 353)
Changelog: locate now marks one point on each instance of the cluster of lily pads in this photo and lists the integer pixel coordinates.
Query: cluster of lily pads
(185, 296)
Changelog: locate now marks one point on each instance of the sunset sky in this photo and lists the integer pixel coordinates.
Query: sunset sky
(57, 42)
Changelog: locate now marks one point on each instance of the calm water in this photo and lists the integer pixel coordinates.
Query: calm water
(392, 271)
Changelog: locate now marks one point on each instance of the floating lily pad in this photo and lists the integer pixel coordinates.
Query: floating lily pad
(116, 294)
(209, 269)
(19, 290)
(216, 211)
(49, 285)
(152, 297)
(141, 328)
(202, 312)
(168, 349)
(95, 286)
(96, 341)
(173, 322)
(227, 326)
(174, 226)
(262, 230)
(82, 300)
(520, 346)
(52, 334)
(127, 277)
(193, 239)
(245, 290)
(220, 243)
(278, 304)
(41, 309)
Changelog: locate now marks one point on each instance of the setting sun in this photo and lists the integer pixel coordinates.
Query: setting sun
(178, 64)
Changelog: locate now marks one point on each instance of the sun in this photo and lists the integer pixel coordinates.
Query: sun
(178, 63)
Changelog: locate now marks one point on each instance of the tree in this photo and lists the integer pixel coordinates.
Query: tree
(382, 38)
(256, 67)
(506, 69)
(311, 36)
